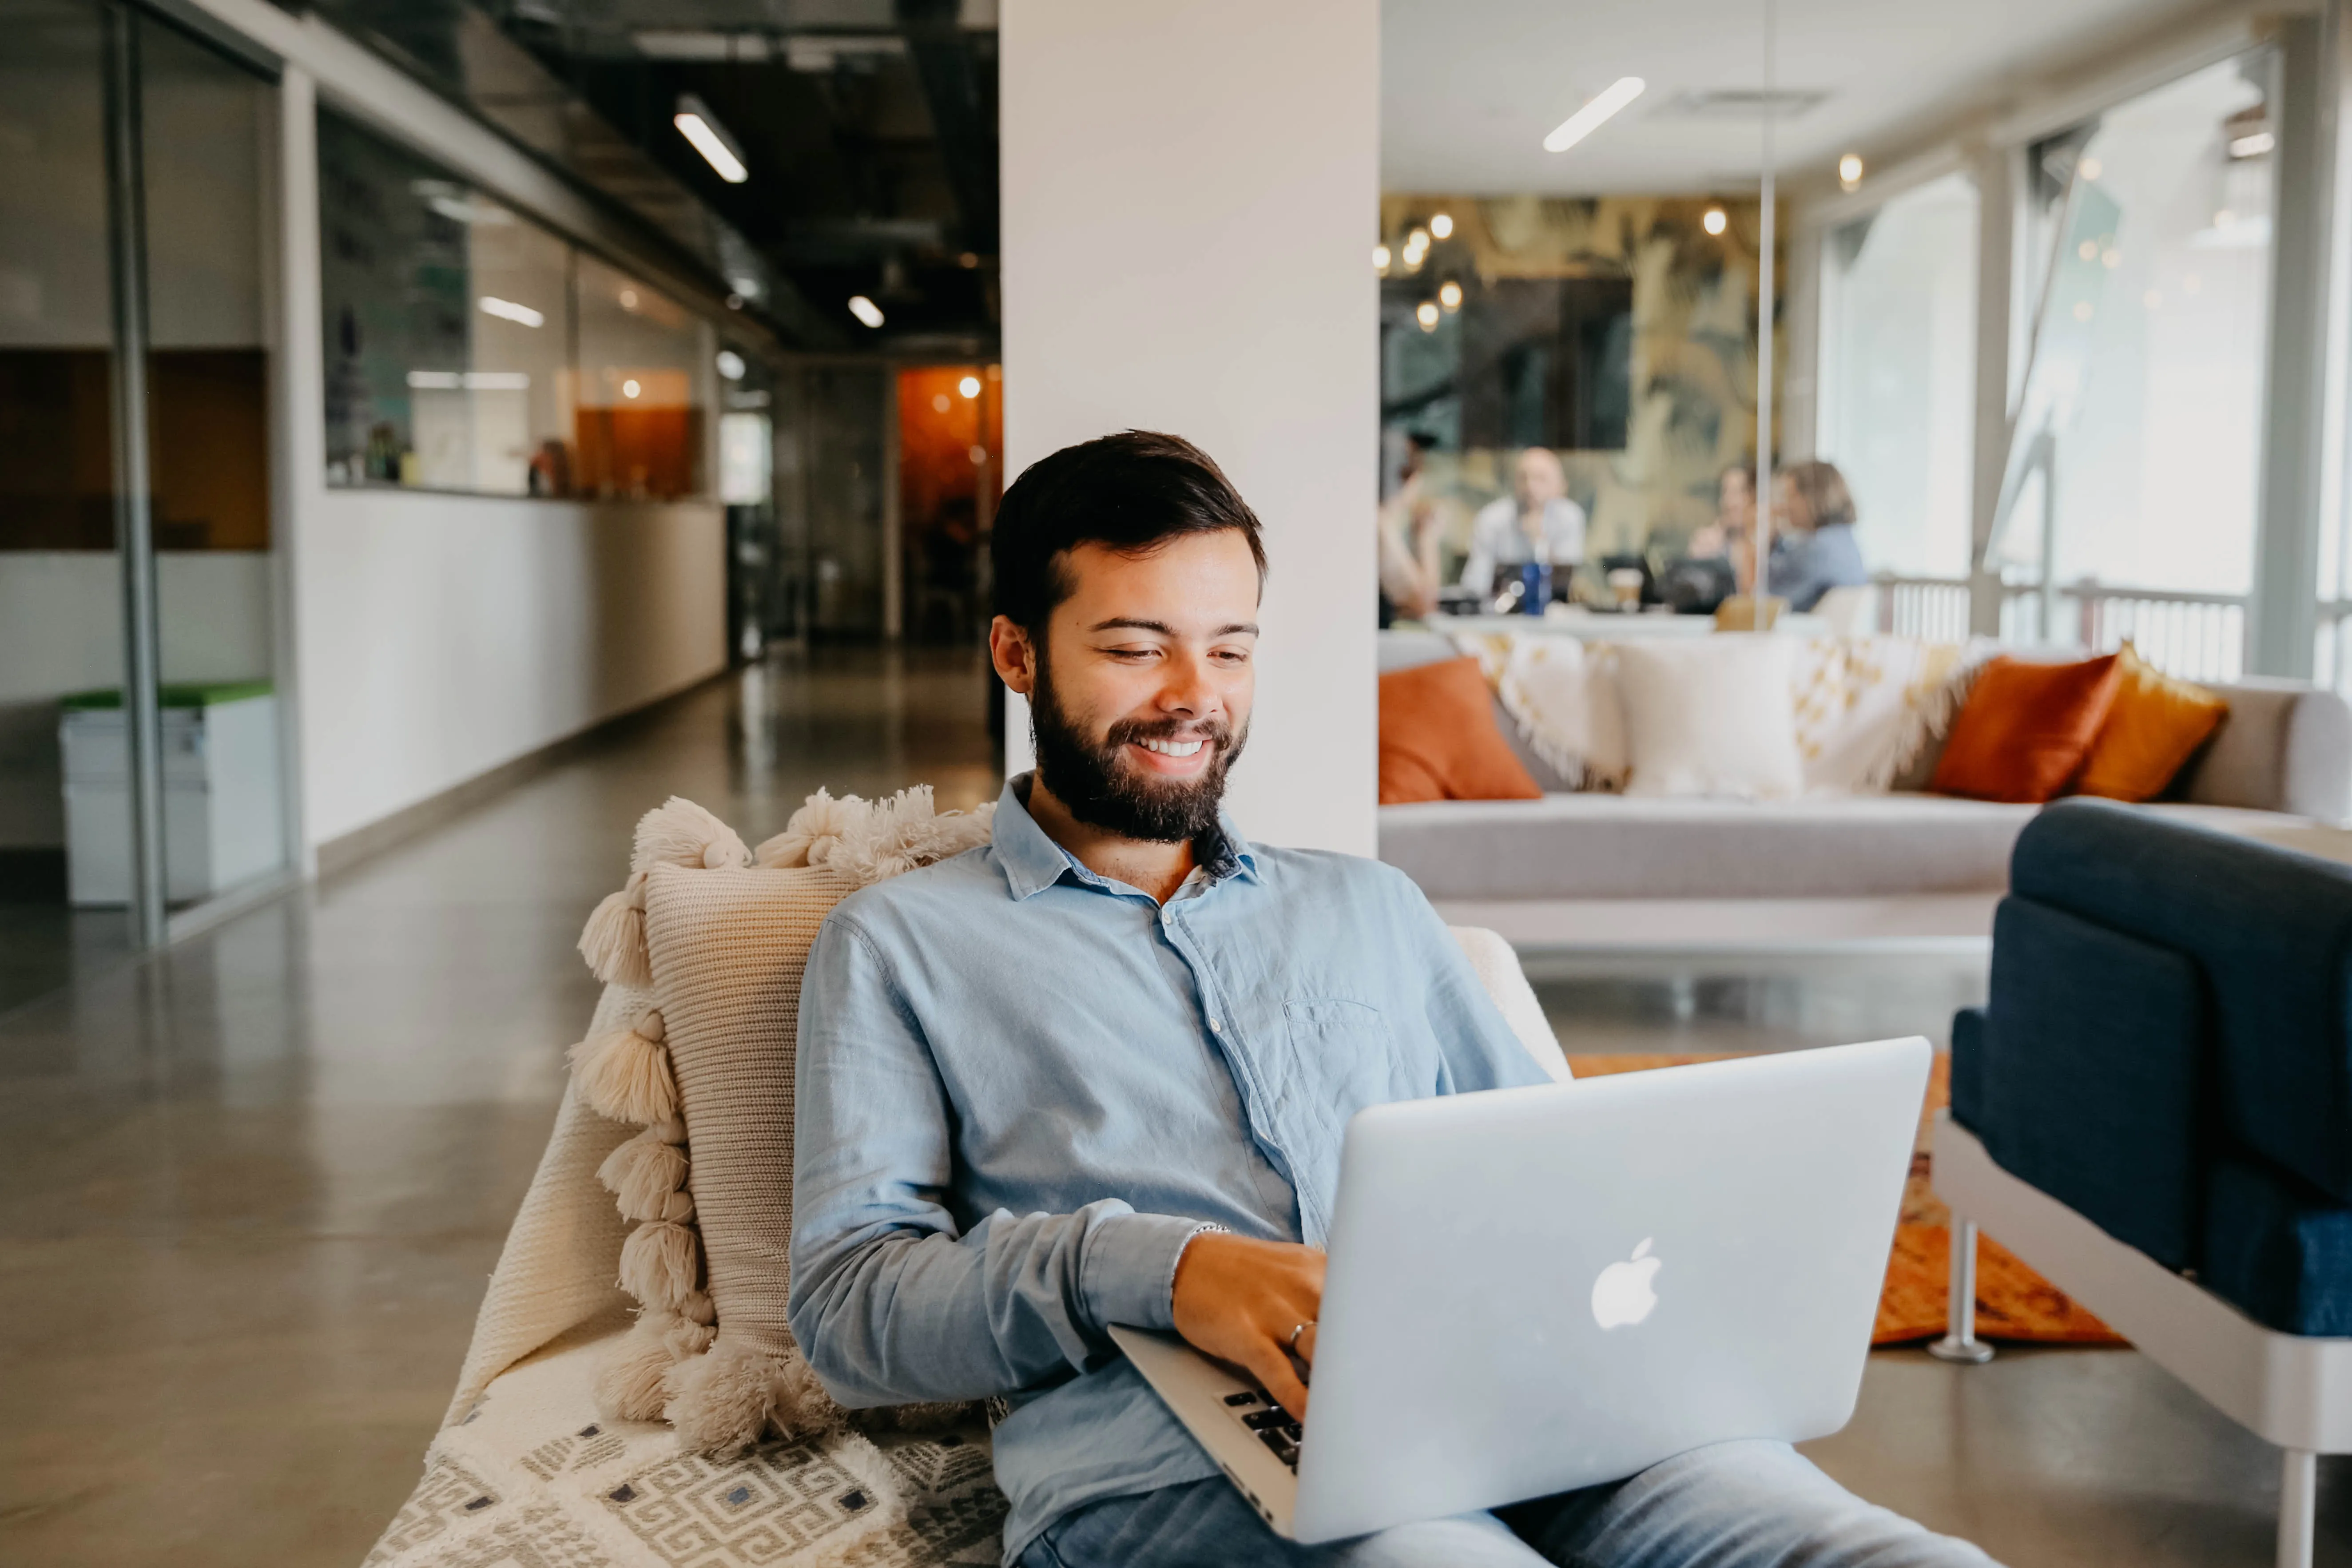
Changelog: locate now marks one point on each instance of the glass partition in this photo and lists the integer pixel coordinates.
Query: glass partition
(467, 348)
(1897, 389)
(644, 363)
(60, 566)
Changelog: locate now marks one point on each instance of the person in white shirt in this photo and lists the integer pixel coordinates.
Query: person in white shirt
(1536, 521)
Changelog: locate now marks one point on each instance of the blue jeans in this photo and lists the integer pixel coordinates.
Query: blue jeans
(1734, 1505)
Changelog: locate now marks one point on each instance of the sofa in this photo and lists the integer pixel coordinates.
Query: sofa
(2154, 1110)
(1585, 870)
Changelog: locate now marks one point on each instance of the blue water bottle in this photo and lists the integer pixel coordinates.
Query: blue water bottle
(1535, 588)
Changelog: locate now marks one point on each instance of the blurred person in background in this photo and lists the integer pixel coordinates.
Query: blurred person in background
(1536, 521)
(1409, 529)
(1813, 546)
(1735, 517)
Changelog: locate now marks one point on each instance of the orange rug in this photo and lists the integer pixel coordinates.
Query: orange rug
(2013, 1302)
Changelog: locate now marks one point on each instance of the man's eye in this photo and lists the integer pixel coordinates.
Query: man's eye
(1132, 655)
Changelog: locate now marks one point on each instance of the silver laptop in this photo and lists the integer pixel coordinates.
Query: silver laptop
(1539, 1288)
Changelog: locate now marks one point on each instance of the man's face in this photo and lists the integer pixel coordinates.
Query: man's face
(1141, 694)
(1538, 478)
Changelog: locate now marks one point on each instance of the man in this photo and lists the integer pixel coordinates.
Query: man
(1536, 521)
(1097, 1072)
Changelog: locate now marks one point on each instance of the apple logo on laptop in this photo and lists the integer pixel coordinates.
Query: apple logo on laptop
(1622, 1295)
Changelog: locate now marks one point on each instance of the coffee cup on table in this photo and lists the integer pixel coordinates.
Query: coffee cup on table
(1625, 583)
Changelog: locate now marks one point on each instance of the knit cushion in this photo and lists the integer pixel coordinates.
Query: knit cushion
(706, 945)
(728, 949)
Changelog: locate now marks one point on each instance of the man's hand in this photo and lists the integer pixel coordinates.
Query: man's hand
(1238, 1299)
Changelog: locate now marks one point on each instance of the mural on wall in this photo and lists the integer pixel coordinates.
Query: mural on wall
(1615, 330)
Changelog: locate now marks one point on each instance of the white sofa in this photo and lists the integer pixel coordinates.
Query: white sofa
(1578, 871)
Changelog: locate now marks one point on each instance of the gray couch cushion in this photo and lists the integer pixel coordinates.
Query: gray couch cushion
(1828, 846)
(1611, 846)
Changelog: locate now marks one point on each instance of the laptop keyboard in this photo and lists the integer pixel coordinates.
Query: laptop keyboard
(1275, 1426)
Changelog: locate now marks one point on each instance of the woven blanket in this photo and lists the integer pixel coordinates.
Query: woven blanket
(532, 1477)
(1866, 707)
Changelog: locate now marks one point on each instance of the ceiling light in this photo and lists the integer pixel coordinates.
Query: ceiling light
(628, 298)
(1449, 294)
(508, 310)
(1381, 257)
(630, 389)
(1715, 220)
(734, 301)
(2088, 250)
(2253, 146)
(1587, 120)
(865, 309)
(1850, 170)
(941, 403)
(700, 127)
(967, 260)
(1441, 226)
(2089, 168)
(1426, 314)
(1417, 240)
(2111, 257)
(731, 365)
(2083, 311)
(969, 387)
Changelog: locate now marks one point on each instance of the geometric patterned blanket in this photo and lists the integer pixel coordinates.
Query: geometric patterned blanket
(533, 1478)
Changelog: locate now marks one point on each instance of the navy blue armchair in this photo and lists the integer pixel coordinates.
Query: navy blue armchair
(2155, 1110)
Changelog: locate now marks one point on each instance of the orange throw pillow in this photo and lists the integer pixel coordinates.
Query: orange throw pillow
(2026, 728)
(1438, 739)
(2157, 724)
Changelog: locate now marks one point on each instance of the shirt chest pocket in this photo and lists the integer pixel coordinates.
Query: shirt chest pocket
(1345, 1057)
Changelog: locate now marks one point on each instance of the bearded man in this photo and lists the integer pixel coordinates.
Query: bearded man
(1096, 1072)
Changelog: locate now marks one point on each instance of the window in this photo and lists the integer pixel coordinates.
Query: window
(2132, 480)
(1898, 378)
(469, 349)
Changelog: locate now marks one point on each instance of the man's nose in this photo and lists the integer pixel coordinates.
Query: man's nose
(1188, 689)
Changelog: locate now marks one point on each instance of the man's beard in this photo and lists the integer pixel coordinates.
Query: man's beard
(1104, 790)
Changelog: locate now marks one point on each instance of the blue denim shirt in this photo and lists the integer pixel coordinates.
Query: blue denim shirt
(1023, 1088)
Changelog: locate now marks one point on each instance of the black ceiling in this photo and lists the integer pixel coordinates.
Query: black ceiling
(868, 128)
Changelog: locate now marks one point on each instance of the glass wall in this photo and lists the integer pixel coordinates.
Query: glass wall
(950, 477)
(469, 349)
(1897, 379)
(187, 482)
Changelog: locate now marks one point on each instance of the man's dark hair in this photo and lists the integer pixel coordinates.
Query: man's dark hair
(1134, 492)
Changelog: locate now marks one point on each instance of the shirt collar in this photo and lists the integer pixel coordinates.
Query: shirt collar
(1033, 862)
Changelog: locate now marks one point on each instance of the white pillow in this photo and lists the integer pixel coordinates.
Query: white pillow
(1710, 716)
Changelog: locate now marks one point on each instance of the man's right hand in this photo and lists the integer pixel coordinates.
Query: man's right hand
(1238, 1299)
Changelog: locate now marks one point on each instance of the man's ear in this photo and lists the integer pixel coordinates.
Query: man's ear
(1014, 654)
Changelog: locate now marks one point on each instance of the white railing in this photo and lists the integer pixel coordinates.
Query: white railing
(2331, 665)
(2198, 636)
(1933, 609)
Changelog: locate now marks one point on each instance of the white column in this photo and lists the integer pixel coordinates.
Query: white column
(1191, 197)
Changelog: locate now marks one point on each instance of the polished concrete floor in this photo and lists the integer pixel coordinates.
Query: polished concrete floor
(250, 1188)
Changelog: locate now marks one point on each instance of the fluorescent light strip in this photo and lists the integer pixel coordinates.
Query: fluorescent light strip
(508, 310)
(468, 381)
(1589, 119)
(707, 142)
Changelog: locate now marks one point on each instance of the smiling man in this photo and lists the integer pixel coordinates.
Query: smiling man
(1097, 1072)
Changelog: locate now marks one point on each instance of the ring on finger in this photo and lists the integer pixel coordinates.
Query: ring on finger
(1291, 1344)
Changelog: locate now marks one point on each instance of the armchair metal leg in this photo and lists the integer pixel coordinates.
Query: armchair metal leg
(2298, 1509)
(1960, 1343)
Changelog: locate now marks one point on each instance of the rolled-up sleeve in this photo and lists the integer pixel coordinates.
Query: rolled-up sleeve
(890, 1302)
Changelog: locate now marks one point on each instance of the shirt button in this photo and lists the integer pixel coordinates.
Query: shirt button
(1216, 1027)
